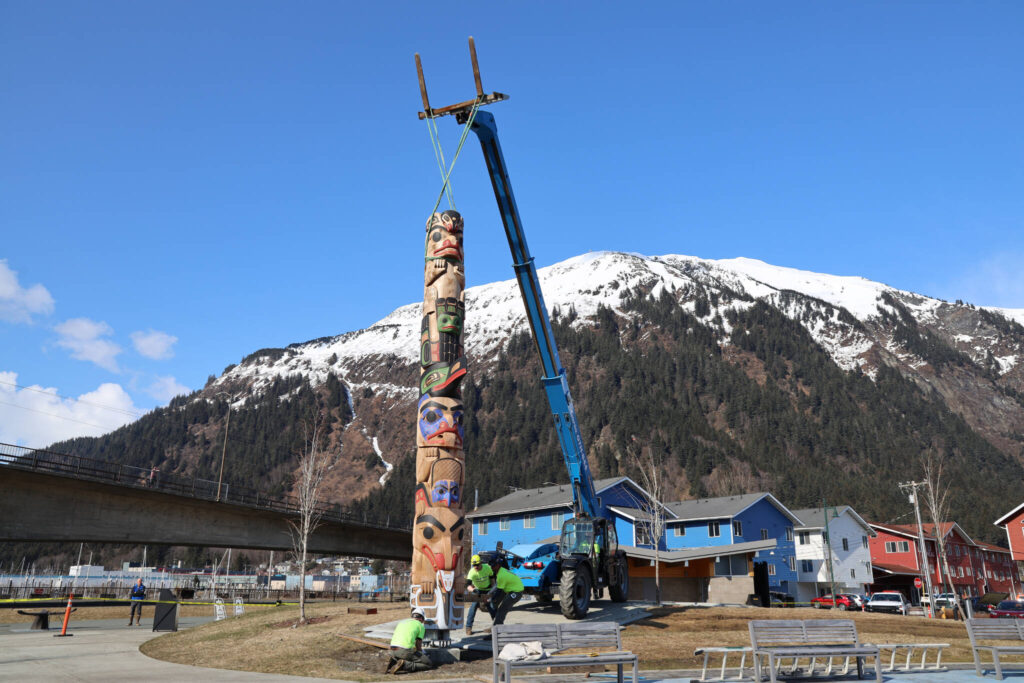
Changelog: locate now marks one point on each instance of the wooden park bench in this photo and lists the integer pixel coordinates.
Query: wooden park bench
(995, 629)
(774, 640)
(41, 618)
(594, 642)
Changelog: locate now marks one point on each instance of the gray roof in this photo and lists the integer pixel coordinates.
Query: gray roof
(676, 556)
(726, 506)
(814, 518)
(546, 497)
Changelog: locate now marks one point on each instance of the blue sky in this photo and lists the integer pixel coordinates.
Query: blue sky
(184, 183)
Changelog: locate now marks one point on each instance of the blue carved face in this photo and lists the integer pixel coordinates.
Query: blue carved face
(446, 492)
(440, 422)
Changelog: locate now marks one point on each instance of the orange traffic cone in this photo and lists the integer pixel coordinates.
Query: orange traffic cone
(67, 616)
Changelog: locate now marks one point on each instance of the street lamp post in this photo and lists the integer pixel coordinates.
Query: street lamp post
(224, 450)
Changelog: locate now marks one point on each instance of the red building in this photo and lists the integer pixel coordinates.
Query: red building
(1013, 522)
(973, 566)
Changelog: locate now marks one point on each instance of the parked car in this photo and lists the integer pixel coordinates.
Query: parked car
(780, 599)
(887, 602)
(843, 601)
(1009, 609)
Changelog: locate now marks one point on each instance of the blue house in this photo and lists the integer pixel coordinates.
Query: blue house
(738, 519)
(536, 515)
(706, 553)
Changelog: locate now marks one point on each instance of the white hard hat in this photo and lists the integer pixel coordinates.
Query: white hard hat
(418, 612)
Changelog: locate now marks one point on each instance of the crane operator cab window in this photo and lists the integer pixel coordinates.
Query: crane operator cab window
(577, 537)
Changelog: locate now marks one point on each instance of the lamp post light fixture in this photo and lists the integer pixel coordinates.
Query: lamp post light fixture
(224, 450)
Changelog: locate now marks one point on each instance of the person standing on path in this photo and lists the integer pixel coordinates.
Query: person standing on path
(138, 594)
(481, 580)
(508, 589)
(407, 646)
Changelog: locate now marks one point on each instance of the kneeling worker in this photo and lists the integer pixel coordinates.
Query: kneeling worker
(407, 646)
(481, 580)
(508, 588)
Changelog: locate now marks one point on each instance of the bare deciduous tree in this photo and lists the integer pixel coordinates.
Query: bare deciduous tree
(314, 462)
(649, 467)
(937, 502)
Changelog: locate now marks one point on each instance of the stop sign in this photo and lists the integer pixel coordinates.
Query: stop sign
(917, 583)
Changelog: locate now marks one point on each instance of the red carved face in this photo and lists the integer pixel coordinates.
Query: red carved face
(438, 534)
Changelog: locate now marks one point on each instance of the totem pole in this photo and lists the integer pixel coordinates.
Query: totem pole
(440, 525)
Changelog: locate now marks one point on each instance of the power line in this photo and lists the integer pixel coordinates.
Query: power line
(77, 400)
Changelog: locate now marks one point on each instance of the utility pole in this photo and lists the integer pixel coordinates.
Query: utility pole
(912, 488)
(224, 450)
(828, 556)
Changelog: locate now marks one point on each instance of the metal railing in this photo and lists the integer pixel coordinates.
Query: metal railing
(78, 467)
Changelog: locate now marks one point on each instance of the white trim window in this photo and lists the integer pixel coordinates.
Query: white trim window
(481, 528)
(679, 530)
(642, 533)
(897, 546)
(504, 523)
(737, 528)
(556, 521)
(806, 566)
(864, 542)
(846, 545)
(789, 534)
(805, 537)
(764, 534)
(771, 569)
(713, 530)
(791, 562)
(529, 521)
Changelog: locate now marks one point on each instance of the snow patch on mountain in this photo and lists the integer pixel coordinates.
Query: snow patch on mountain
(586, 282)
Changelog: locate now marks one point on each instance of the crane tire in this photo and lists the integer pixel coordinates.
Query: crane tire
(619, 590)
(574, 593)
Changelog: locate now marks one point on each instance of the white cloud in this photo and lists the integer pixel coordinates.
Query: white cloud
(154, 344)
(166, 388)
(36, 416)
(17, 304)
(84, 339)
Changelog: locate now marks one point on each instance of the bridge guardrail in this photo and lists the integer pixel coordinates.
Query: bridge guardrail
(76, 466)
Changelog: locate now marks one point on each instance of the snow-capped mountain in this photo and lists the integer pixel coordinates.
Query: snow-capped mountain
(971, 356)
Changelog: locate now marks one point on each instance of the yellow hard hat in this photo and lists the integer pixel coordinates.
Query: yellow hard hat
(475, 559)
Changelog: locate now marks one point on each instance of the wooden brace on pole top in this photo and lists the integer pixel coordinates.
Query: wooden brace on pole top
(462, 108)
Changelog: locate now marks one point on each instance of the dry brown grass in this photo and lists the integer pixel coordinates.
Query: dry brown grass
(259, 642)
(664, 640)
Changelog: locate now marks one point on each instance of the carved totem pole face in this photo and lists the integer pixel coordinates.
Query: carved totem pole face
(443, 252)
(437, 534)
(440, 422)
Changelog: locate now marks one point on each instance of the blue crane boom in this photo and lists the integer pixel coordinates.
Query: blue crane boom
(556, 386)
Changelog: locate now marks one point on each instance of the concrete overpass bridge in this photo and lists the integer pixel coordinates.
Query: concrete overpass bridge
(47, 496)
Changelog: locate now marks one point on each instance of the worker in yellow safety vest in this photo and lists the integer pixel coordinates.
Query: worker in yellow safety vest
(481, 580)
(508, 589)
(407, 653)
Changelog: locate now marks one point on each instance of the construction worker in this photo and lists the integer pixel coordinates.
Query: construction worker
(481, 580)
(407, 645)
(508, 589)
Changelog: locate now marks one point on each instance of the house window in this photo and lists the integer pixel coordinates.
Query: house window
(738, 565)
(961, 570)
(805, 537)
(504, 524)
(791, 561)
(864, 542)
(969, 572)
(846, 545)
(713, 530)
(643, 534)
(679, 530)
(528, 521)
(737, 528)
(722, 566)
(806, 566)
(771, 570)
(897, 546)
(789, 533)
(556, 521)
(853, 573)
(481, 528)
(764, 534)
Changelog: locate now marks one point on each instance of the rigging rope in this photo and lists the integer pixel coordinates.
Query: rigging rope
(445, 187)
